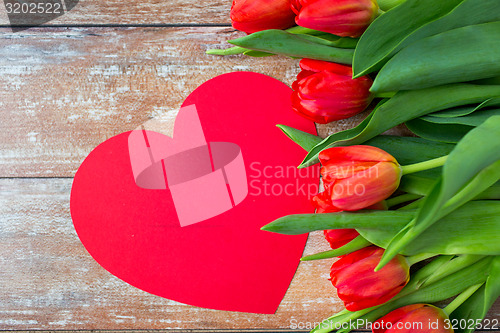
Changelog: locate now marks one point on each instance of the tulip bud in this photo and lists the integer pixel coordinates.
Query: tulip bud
(339, 237)
(356, 177)
(256, 15)
(323, 203)
(345, 18)
(325, 91)
(414, 318)
(359, 286)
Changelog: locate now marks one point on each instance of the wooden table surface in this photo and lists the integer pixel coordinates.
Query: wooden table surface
(100, 70)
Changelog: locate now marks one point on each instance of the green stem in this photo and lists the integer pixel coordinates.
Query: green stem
(430, 164)
(356, 244)
(419, 257)
(401, 199)
(461, 298)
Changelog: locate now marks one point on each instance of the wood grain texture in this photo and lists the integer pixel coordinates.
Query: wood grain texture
(136, 12)
(50, 282)
(64, 91)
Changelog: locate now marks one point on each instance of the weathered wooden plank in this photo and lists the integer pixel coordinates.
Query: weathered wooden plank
(50, 282)
(88, 12)
(64, 91)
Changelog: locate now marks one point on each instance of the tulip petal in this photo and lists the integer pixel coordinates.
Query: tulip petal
(384, 323)
(325, 91)
(253, 15)
(323, 203)
(344, 18)
(359, 286)
(367, 290)
(350, 259)
(339, 237)
(367, 187)
(332, 172)
(319, 65)
(359, 153)
(415, 318)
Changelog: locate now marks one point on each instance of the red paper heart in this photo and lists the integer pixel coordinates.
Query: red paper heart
(225, 262)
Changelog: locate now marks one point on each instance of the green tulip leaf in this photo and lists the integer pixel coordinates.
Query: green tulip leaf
(409, 150)
(449, 129)
(454, 275)
(306, 140)
(492, 291)
(455, 112)
(441, 132)
(229, 51)
(332, 40)
(297, 224)
(448, 57)
(466, 109)
(475, 308)
(388, 32)
(471, 311)
(450, 235)
(343, 42)
(354, 245)
(488, 81)
(257, 54)
(294, 45)
(418, 184)
(474, 119)
(421, 183)
(472, 167)
(440, 267)
(445, 287)
(404, 106)
(400, 27)
(449, 285)
(465, 231)
(495, 101)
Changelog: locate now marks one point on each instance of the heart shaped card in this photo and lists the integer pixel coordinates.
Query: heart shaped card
(180, 217)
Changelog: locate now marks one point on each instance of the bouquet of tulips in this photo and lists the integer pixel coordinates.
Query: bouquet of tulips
(412, 220)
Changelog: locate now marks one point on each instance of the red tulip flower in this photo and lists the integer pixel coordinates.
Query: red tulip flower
(255, 15)
(356, 177)
(325, 91)
(323, 203)
(359, 286)
(339, 237)
(336, 237)
(422, 318)
(346, 18)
